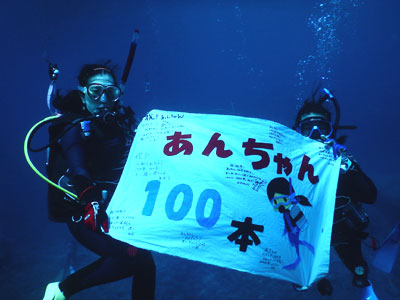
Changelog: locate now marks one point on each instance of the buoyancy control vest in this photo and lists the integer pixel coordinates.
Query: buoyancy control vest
(104, 150)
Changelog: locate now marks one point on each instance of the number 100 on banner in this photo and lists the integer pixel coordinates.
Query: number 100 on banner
(209, 200)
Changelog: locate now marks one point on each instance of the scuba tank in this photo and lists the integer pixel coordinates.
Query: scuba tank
(122, 115)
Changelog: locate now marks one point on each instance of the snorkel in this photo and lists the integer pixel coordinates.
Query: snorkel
(328, 98)
(337, 147)
(129, 60)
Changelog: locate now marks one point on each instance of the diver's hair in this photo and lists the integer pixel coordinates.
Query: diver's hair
(312, 106)
(72, 102)
(90, 70)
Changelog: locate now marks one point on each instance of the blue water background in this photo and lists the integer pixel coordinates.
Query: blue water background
(244, 57)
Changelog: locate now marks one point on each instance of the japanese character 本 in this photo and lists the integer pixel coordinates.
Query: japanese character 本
(245, 230)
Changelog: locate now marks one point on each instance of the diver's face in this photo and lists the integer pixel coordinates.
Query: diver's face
(102, 81)
(315, 126)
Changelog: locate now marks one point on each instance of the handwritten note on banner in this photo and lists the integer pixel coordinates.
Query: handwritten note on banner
(241, 193)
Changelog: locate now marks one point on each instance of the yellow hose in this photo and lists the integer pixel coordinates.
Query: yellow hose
(31, 164)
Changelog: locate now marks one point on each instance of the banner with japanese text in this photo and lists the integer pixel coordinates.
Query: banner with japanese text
(241, 193)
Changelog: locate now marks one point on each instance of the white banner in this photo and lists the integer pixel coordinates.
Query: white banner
(236, 192)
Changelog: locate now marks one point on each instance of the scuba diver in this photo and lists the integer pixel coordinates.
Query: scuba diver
(318, 119)
(90, 137)
(89, 145)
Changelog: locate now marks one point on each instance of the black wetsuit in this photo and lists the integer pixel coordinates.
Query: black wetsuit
(97, 158)
(354, 188)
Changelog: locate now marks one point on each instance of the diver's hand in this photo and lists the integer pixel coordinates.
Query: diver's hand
(103, 220)
(338, 149)
(95, 217)
(90, 194)
(346, 163)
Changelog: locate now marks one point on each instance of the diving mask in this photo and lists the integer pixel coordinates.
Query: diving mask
(311, 126)
(96, 90)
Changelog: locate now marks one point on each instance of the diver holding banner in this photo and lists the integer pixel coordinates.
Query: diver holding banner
(90, 137)
(318, 119)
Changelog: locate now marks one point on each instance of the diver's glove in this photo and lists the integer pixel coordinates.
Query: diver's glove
(340, 150)
(337, 149)
(347, 163)
(91, 199)
(96, 217)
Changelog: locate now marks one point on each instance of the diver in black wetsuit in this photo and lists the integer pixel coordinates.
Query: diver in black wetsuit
(314, 120)
(89, 145)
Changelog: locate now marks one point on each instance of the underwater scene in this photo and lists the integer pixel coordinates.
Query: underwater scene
(322, 78)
